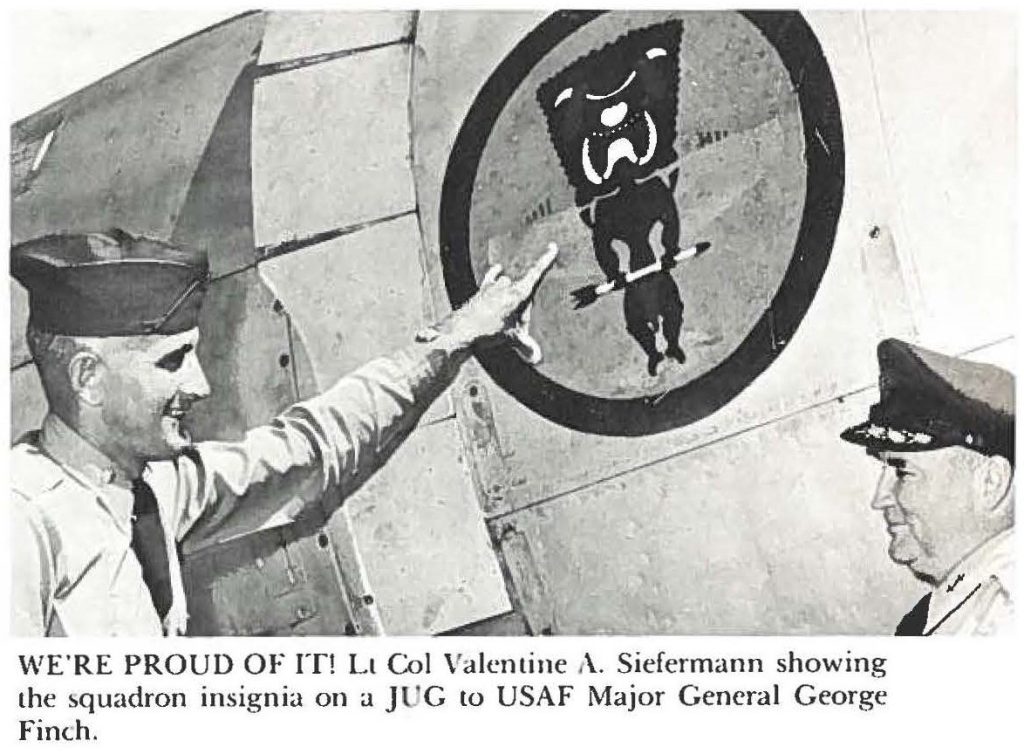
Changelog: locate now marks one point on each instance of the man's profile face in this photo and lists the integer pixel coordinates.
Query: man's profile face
(150, 382)
(927, 501)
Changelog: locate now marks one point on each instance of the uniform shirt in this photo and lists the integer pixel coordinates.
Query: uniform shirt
(976, 598)
(74, 570)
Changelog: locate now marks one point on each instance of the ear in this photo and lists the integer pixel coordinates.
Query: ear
(994, 480)
(85, 374)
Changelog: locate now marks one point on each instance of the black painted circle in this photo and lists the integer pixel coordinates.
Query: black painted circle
(801, 54)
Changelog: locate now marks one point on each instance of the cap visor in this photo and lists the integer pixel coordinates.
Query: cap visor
(877, 438)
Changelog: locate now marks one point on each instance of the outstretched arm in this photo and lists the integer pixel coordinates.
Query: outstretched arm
(319, 451)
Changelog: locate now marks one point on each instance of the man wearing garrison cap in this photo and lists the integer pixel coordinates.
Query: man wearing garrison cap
(111, 481)
(944, 432)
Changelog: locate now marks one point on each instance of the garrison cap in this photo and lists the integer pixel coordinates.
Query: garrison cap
(931, 401)
(110, 283)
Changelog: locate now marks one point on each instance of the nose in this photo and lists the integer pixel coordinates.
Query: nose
(883, 497)
(612, 116)
(194, 381)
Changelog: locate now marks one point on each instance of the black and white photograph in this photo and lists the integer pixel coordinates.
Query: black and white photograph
(486, 323)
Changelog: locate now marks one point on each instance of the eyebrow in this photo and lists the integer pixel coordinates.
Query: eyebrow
(179, 351)
(896, 463)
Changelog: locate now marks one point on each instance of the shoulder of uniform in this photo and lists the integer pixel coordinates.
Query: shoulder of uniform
(32, 473)
(1003, 561)
(995, 612)
(1002, 582)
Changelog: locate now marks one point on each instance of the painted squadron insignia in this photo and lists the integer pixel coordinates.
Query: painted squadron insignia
(637, 142)
(611, 116)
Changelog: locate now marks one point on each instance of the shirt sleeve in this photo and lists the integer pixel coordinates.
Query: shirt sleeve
(33, 576)
(310, 458)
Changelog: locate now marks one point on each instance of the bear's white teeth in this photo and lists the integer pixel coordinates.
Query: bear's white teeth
(652, 139)
(588, 167)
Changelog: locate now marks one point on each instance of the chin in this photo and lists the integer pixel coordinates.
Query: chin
(901, 552)
(913, 558)
(175, 438)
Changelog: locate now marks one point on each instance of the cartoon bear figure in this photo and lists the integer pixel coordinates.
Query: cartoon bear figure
(611, 116)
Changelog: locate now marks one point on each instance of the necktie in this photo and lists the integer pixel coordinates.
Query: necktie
(150, 546)
(913, 623)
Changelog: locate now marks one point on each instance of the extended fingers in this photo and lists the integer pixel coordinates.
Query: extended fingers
(528, 283)
(492, 274)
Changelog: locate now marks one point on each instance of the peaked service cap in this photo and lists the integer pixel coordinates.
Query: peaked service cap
(930, 401)
(110, 283)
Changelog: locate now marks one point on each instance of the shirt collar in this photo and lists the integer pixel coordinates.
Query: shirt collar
(74, 452)
(993, 559)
